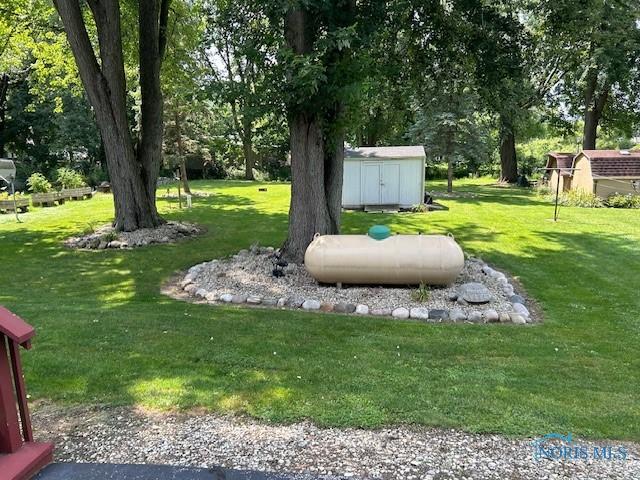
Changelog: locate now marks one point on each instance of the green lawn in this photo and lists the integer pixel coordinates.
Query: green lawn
(106, 334)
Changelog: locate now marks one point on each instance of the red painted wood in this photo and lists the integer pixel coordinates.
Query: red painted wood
(10, 439)
(26, 462)
(14, 327)
(21, 391)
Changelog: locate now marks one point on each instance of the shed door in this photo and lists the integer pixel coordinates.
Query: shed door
(390, 184)
(371, 183)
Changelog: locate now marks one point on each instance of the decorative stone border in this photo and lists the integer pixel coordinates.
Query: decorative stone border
(518, 315)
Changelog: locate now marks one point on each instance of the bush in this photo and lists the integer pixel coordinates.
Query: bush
(68, 178)
(619, 200)
(578, 198)
(38, 183)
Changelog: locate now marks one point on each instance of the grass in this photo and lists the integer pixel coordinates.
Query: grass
(106, 335)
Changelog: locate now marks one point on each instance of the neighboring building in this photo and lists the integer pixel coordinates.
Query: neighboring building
(389, 176)
(605, 172)
(561, 161)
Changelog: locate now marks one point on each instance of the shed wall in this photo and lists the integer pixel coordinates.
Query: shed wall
(582, 179)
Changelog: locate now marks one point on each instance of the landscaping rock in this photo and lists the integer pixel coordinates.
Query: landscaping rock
(517, 299)
(226, 297)
(462, 301)
(504, 317)
(475, 292)
(419, 313)
(102, 245)
(521, 309)
(311, 304)
(343, 307)
(453, 296)
(201, 292)
(326, 307)
(269, 301)
(457, 315)
(400, 312)
(518, 319)
(114, 244)
(295, 302)
(475, 316)
(239, 298)
(487, 270)
(362, 309)
(380, 312)
(508, 290)
(191, 288)
(211, 297)
(439, 315)
(281, 302)
(490, 316)
(254, 300)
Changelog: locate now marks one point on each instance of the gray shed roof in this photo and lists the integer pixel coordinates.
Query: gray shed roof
(398, 152)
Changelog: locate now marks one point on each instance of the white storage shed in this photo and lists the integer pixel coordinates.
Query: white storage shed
(389, 176)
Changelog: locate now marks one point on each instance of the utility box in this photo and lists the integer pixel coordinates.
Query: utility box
(20, 457)
(383, 176)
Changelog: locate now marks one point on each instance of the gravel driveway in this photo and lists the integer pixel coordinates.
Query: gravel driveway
(123, 435)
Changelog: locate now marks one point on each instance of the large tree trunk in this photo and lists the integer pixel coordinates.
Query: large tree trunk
(133, 177)
(594, 104)
(4, 87)
(249, 156)
(317, 155)
(508, 159)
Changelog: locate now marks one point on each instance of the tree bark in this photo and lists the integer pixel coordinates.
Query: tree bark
(508, 158)
(4, 87)
(247, 151)
(593, 107)
(317, 156)
(133, 176)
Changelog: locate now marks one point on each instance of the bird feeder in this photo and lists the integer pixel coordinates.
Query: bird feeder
(20, 456)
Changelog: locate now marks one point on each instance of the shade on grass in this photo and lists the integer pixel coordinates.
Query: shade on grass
(105, 334)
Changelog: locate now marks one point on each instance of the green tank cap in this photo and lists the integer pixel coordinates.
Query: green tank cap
(379, 232)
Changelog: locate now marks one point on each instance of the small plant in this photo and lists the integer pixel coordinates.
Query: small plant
(576, 198)
(38, 183)
(68, 178)
(110, 236)
(89, 229)
(422, 293)
(420, 208)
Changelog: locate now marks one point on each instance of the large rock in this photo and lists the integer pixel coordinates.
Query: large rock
(490, 316)
(380, 312)
(226, 297)
(362, 309)
(295, 302)
(518, 319)
(269, 301)
(201, 292)
(282, 302)
(475, 316)
(517, 299)
(475, 292)
(400, 312)
(211, 297)
(344, 307)
(239, 298)
(326, 307)
(439, 315)
(457, 315)
(254, 299)
(311, 304)
(521, 309)
(420, 313)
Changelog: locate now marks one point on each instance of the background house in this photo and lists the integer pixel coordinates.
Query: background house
(605, 172)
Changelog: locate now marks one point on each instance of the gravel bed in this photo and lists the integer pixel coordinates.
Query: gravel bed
(107, 237)
(248, 278)
(123, 435)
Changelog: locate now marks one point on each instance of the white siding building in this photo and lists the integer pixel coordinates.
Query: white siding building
(389, 176)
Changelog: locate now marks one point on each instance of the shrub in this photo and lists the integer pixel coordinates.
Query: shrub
(68, 178)
(619, 200)
(579, 198)
(38, 183)
(420, 208)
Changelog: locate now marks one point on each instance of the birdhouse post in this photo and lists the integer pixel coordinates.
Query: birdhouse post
(20, 456)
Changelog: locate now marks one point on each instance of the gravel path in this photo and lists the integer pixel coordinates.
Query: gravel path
(122, 435)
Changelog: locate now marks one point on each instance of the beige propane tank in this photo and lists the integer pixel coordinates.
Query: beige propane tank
(397, 260)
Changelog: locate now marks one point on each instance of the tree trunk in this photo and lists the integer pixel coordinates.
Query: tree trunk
(180, 148)
(508, 159)
(594, 104)
(249, 157)
(133, 178)
(4, 87)
(317, 156)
